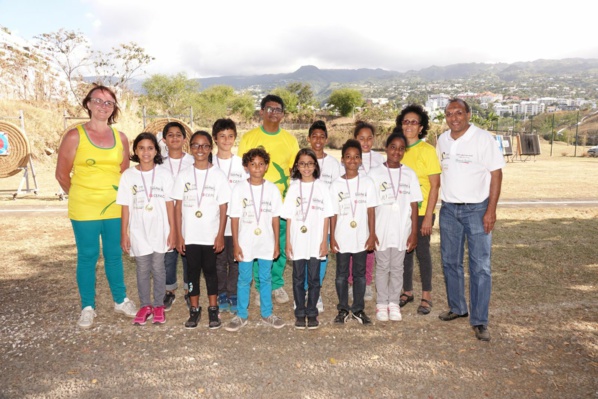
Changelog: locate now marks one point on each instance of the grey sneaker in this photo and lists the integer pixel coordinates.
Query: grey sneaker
(280, 295)
(481, 332)
(236, 324)
(369, 293)
(273, 321)
(86, 318)
(127, 308)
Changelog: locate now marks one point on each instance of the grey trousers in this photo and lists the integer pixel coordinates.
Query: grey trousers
(149, 266)
(389, 276)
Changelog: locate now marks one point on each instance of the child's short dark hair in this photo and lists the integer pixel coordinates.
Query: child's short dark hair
(223, 124)
(272, 98)
(295, 174)
(397, 133)
(256, 152)
(174, 124)
(146, 136)
(351, 143)
(363, 125)
(321, 125)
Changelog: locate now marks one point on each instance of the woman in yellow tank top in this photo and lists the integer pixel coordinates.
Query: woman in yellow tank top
(97, 154)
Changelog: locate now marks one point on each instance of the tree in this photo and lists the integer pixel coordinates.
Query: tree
(243, 105)
(172, 94)
(70, 51)
(291, 100)
(305, 95)
(491, 118)
(121, 64)
(345, 100)
(214, 102)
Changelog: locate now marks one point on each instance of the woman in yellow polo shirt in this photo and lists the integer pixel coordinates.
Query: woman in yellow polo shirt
(97, 154)
(420, 156)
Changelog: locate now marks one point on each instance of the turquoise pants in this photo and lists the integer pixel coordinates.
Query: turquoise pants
(87, 238)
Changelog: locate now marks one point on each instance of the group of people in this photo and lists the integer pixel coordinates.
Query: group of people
(238, 218)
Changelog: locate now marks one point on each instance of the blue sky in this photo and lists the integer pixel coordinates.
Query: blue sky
(215, 38)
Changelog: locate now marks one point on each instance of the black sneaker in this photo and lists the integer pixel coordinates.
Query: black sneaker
(481, 332)
(341, 317)
(312, 323)
(194, 317)
(214, 317)
(169, 299)
(300, 323)
(362, 318)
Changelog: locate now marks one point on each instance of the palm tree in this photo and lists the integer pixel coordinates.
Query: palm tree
(492, 117)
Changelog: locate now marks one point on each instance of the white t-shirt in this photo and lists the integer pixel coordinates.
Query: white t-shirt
(148, 230)
(466, 165)
(393, 215)
(352, 239)
(370, 160)
(307, 245)
(235, 172)
(255, 246)
(201, 230)
(174, 166)
(330, 169)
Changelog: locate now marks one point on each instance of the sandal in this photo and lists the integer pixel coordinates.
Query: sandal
(424, 310)
(403, 302)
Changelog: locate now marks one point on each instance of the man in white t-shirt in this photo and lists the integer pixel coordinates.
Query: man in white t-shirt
(471, 180)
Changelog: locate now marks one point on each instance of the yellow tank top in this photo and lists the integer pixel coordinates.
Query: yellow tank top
(96, 175)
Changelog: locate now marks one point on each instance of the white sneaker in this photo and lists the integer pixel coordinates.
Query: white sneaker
(257, 299)
(320, 305)
(369, 293)
(394, 312)
(127, 308)
(381, 312)
(280, 295)
(86, 318)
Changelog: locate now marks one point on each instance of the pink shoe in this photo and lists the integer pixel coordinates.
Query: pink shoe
(159, 317)
(143, 315)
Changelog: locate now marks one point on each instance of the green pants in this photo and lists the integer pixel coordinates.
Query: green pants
(279, 263)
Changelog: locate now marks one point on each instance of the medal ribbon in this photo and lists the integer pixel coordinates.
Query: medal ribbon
(257, 215)
(392, 184)
(180, 164)
(230, 167)
(199, 197)
(149, 197)
(304, 213)
(350, 202)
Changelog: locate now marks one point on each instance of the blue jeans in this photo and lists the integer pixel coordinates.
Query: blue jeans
(87, 238)
(313, 293)
(342, 282)
(170, 260)
(244, 284)
(458, 222)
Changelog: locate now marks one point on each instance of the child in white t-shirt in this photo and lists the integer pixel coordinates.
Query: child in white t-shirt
(364, 133)
(330, 170)
(148, 230)
(254, 211)
(352, 231)
(202, 194)
(224, 133)
(396, 225)
(307, 209)
(175, 160)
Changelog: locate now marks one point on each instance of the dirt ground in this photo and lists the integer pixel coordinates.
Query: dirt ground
(543, 319)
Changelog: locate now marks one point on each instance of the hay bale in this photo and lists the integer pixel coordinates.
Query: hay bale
(19, 150)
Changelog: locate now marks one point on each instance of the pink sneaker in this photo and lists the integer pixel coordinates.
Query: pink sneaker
(159, 317)
(143, 315)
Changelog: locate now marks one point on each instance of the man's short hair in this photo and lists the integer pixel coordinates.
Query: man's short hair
(272, 98)
(459, 100)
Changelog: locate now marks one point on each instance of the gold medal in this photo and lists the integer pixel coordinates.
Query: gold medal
(303, 229)
(353, 224)
(149, 207)
(198, 214)
(257, 231)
